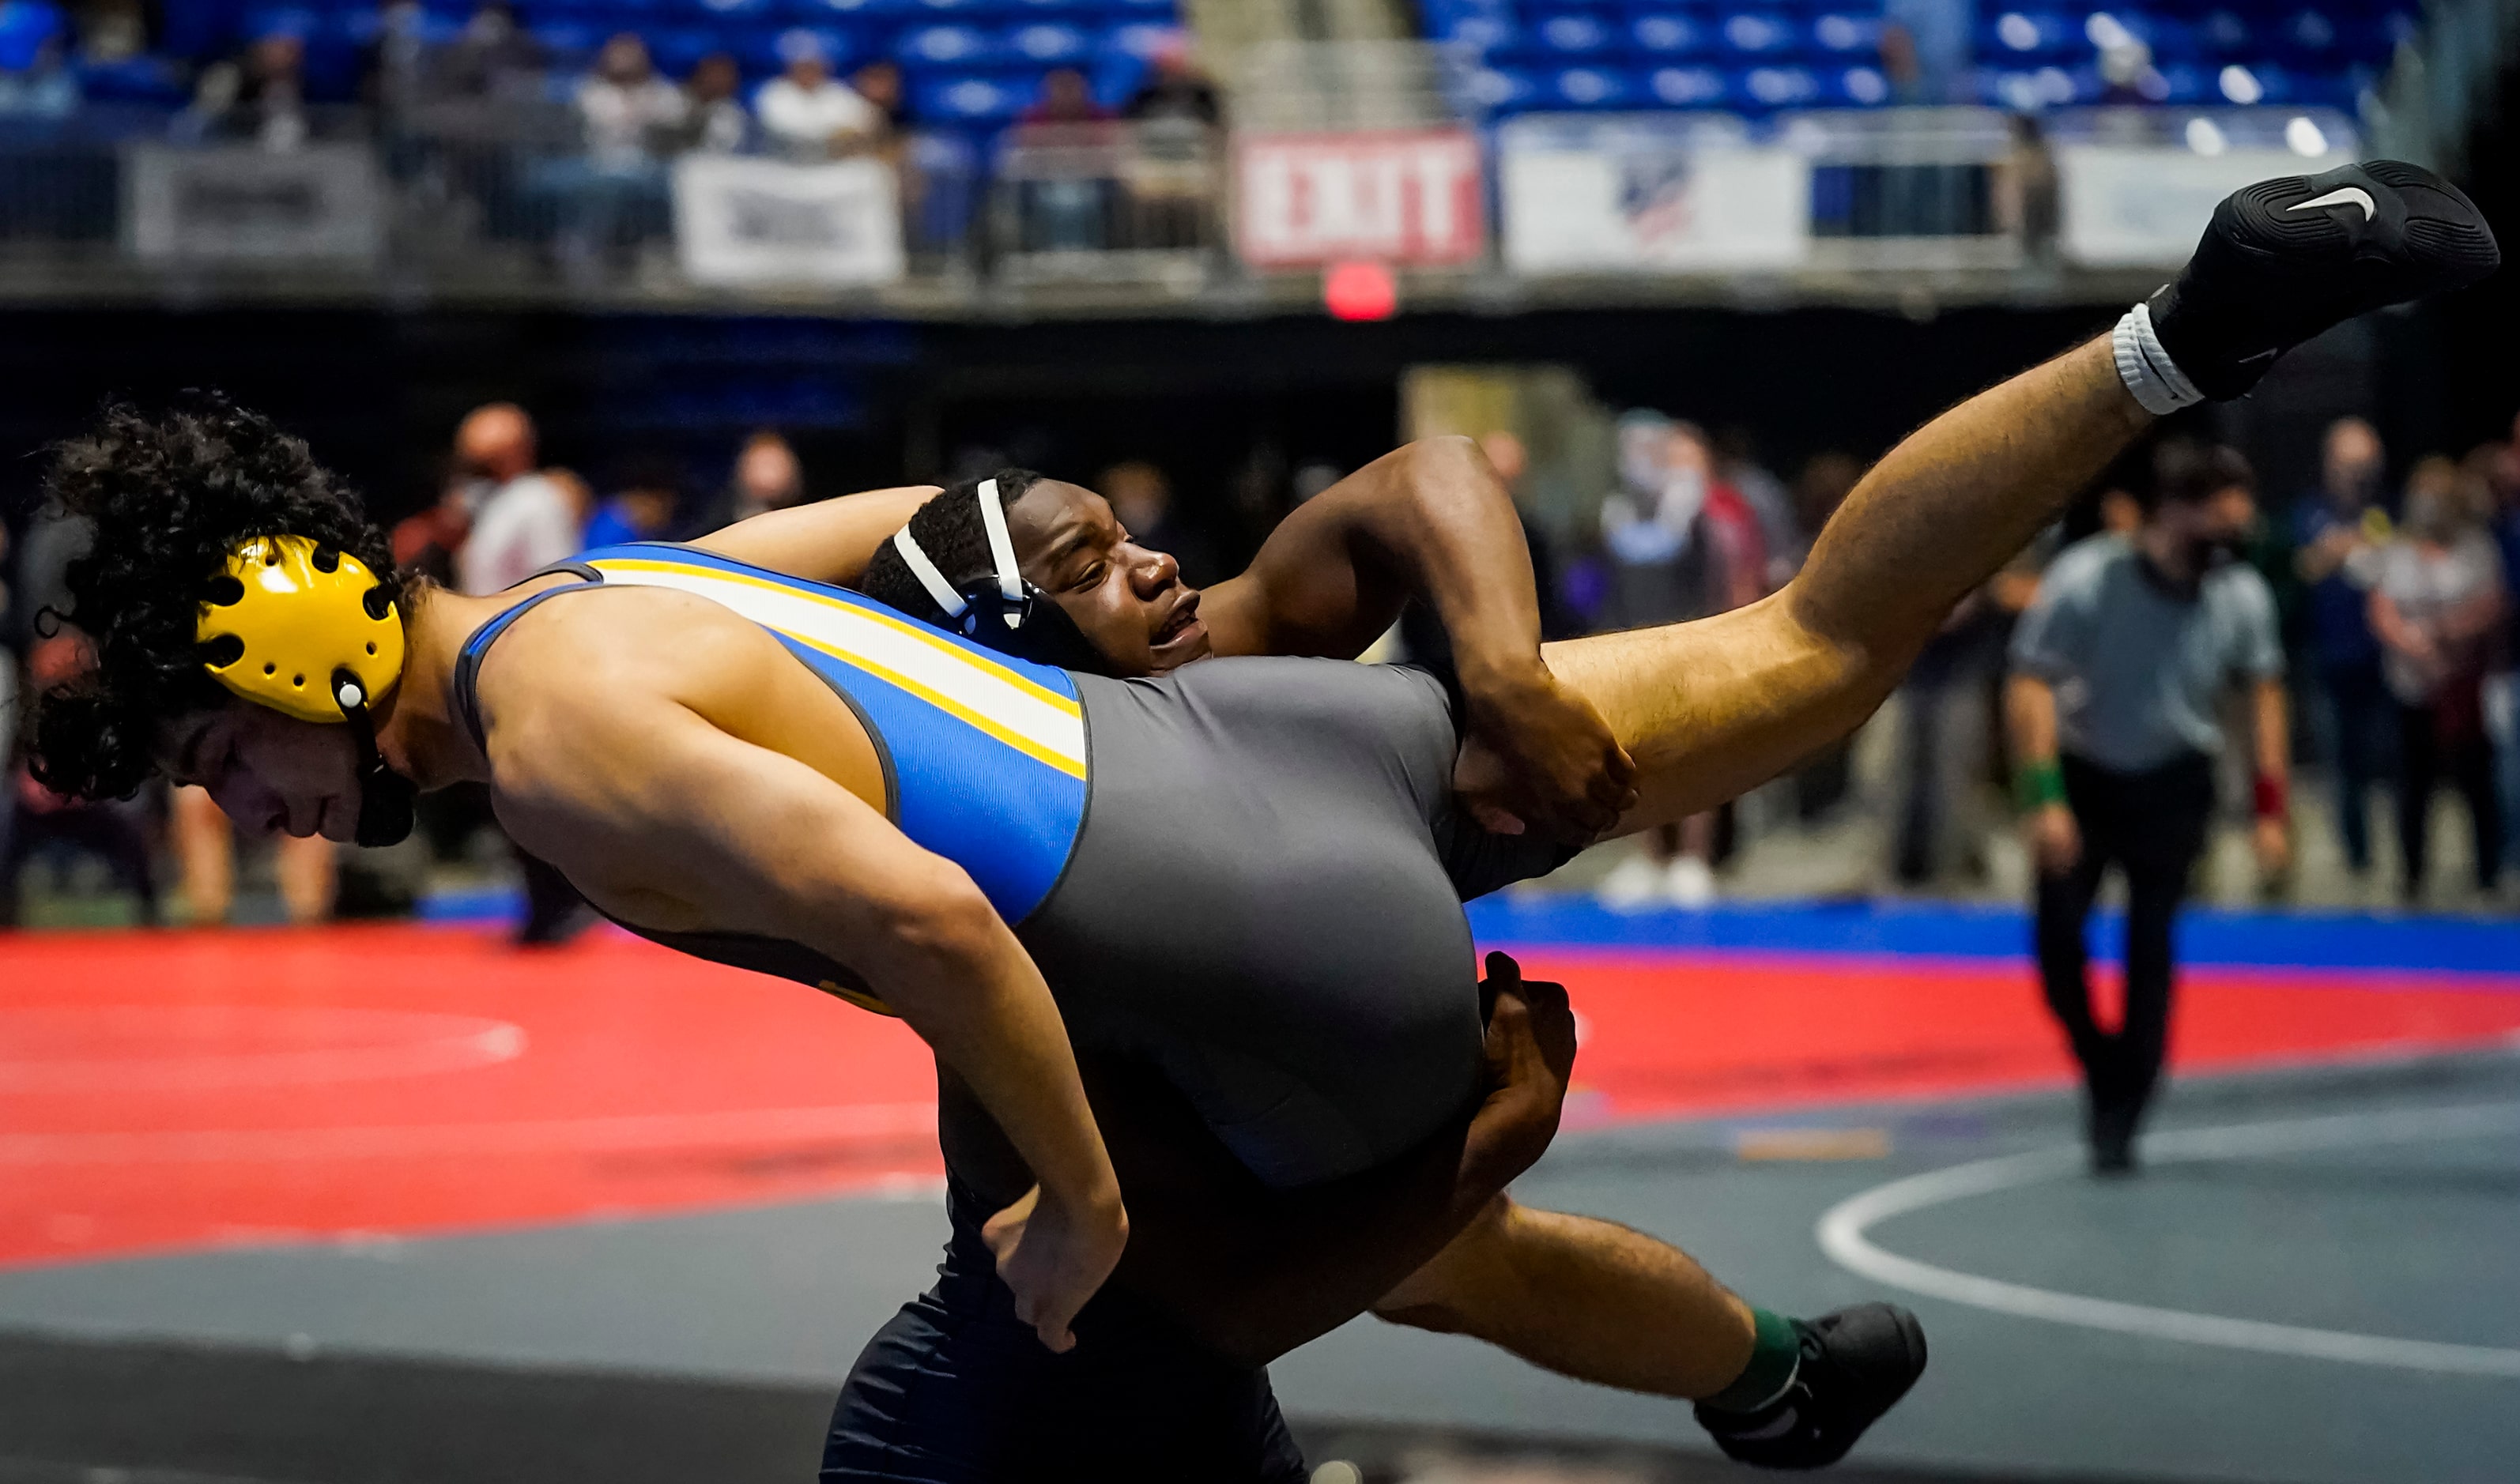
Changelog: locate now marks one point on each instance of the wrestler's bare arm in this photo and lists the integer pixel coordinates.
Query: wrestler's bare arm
(619, 763)
(1712, 708)
(1432, 519)
(828, 541)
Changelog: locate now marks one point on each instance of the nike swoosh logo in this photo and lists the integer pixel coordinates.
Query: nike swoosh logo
(2342, 195)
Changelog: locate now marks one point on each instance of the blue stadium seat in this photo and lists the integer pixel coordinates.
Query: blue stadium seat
(828, 12)
(1141, 40)
(1857, 87)
(1754, 34)
(1659, 35)
(2014, 37)
(2028, 90)
(1572, 35)
(951, 10)
(1501, 90)
(1479, 34)
(2224, 34)
(1690, 87)
(567, 43)
(953, 46)
(1777, 87)
(2313, 37)
(1844, 33)
(1046, 44)
(151, 80)
(27, 26)
(728, 9)
(1588, 87)
(677, 49)
(969, 99)
(2251, 83)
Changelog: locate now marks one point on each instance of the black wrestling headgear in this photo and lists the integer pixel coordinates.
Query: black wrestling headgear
(1003, 611)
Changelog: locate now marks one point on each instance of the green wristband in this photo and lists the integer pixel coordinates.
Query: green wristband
(2038, 785)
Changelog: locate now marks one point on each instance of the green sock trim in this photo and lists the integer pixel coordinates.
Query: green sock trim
(1776, 1352)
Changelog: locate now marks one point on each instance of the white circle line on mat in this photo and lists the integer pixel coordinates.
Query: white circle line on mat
(1843, 1233)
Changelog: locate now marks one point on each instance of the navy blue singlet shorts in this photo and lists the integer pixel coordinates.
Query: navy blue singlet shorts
(956, 1390)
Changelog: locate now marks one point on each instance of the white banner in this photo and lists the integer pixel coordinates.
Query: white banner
(242, 204)
(2134, 206)
(1400, 196)
(759, 222)
(1624, 197)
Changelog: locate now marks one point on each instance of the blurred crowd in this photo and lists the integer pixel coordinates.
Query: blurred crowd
(2392, 599)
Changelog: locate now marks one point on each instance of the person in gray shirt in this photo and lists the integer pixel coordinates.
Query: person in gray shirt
(2119, 669)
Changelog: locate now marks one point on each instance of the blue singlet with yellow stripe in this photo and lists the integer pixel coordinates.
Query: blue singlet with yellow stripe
(983, 755)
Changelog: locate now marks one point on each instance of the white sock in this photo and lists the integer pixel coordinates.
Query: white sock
(2147, 369)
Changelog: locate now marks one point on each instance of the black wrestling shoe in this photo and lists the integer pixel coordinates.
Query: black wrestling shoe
(2286, 258)
(1857, 1363)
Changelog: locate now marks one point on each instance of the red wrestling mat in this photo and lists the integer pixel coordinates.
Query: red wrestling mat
(174, 1091)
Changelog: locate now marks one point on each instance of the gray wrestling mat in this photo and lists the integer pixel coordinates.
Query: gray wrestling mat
(2317, 1279)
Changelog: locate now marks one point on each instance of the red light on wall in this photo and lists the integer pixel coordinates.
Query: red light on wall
(1360, 290)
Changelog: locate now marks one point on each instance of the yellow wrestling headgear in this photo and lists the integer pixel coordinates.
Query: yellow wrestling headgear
(302, 629)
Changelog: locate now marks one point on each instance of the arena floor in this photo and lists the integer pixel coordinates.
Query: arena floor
(399, 1203)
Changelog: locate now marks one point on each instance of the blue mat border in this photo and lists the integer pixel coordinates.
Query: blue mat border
(1937, 929)
(2296, 939)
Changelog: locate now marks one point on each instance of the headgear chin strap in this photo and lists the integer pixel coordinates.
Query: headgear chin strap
(286, 611)
(386, 799)
(999, 609)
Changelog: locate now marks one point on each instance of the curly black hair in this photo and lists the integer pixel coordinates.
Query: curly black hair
(169, 497)
(948, 529)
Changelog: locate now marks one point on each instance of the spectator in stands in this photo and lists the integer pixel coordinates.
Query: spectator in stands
(1942, 726)
(646, 494)
(1689, 548)
(1143, 500)
(766, 477)
(522, 520)
(1066, 98)
(37, 84)
(2337, 537)
(880, 84)
(260, 96)
(1175, 87)
(432, 540)
(715, 120)
(810, 114)
(627, 109)
(1737, 462)
(2118, 671)
(8, 659)
(34, 818)
(2438, 606)
(2502, 687)
(1647, 523)
(1925, 47)
(614, 198)
(494, 59)
(524, 523)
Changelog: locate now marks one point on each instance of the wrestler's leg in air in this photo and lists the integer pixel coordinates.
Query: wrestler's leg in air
(1711, 708)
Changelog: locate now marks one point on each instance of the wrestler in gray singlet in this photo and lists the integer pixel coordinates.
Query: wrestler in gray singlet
(1264, 900)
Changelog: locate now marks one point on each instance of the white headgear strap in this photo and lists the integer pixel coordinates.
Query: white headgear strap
(951, 601)
(1001, 550)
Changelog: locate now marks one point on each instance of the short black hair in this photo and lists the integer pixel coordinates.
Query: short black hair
(2185, 471)
(169, 497)
(948, 529)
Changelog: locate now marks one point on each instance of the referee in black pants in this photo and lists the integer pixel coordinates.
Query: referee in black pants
(2119, 669)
